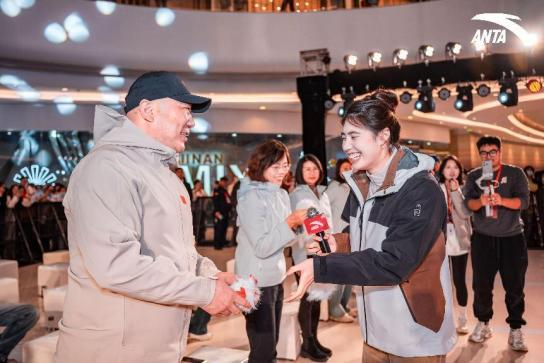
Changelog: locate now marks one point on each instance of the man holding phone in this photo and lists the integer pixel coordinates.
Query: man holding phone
(497, 193)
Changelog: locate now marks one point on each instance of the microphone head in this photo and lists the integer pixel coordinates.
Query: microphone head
(312, 212)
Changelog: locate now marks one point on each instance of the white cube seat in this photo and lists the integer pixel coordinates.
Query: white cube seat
(9, 268)
(52, 276)
(290, 339)
(40, 350)
(53, 305)
(62, 256)
(213, 354)
(9, 290)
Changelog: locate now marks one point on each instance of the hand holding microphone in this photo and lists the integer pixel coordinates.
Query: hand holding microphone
(317, 224)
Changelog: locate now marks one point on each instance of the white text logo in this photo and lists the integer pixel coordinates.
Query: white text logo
(496, 36)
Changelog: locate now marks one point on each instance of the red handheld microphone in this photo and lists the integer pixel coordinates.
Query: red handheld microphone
(317, 224)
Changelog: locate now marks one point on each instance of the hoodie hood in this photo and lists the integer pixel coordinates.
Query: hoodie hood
(410, 164)
(247, 185)
(112, 128)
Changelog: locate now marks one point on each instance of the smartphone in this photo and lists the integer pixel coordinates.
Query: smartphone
(487, 170)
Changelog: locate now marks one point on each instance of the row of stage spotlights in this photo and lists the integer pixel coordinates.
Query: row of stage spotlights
(400, 55)
(464, 102)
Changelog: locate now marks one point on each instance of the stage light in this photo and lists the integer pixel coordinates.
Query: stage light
(508, 94)
(534, 85)
(76, 28)
(348, 98)
(399, 56)
(374, 59)
(198, 62)
(201, 126)
(105, 7)
(110, 70)
(114, 81)
(530, 40)
(405, 97)
(483, 90)
(464, 101)
(164, 17)
(480, 48)
(350, 62)
(25, 4)
(10, 8)
(453, 49)
(426, 52)
(444, 93)
(65, 105)
(55, 33)
(329, 103)
(425, 102)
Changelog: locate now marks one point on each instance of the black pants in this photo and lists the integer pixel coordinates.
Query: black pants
(508, 256)
(308, 317)
(459, 270)
(263, 326)
(220, 232)
(199, 322)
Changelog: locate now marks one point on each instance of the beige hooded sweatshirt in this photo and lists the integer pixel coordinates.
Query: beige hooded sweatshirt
(134, 271)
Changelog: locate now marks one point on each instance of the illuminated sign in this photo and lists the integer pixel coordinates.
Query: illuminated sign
(206, 167)
(36, 174)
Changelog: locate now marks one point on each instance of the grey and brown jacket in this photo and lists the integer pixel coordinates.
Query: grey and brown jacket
(398, 259)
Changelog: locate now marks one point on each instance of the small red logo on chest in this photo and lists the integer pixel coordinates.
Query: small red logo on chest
(183, 200)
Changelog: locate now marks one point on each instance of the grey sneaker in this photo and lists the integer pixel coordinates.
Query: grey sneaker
(516, 341)
(462, 327)
(481, 332)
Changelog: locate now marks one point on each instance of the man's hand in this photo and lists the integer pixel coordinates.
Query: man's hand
(313, 247)
(224, 300)
(218, 215)
(306, 271)
(485, 200)
(227, 277)
(495, 200)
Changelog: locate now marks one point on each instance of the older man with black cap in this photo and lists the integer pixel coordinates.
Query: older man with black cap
(134, 271)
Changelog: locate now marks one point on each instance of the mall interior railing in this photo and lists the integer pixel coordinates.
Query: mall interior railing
(259, 6)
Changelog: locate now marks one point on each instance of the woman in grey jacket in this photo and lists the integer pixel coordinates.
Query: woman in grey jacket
(266, 227)
(309, 193)
(338, 192)
(458, 233)
(395, 253)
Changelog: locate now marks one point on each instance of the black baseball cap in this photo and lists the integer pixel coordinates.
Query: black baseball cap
(156, 85)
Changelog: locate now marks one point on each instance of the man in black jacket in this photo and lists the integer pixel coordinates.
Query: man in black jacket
(221, 209)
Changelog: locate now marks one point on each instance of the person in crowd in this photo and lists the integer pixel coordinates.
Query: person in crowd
(266, 227)
(199, 214)
(3, 207)
(234, 201)
(529, 216)
(17, 320)
(15, 196)
(222, 207)
(338, 192)
(458, 232)
(181, 175)
(397, 219)
(134, 270)
(198, 190)
(310, 193)
(289, 182)
(498, 243)
(436, 168)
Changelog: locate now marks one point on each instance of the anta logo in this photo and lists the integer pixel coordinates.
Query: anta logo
(497, 36)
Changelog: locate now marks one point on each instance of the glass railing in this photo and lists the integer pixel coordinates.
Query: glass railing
(266, 6)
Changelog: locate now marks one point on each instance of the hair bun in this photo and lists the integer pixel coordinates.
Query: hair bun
(389, 98)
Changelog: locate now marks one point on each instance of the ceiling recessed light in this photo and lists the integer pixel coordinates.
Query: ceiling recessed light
(262, 108)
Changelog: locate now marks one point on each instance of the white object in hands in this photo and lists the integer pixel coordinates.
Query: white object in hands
(320, 292)
(248, 289)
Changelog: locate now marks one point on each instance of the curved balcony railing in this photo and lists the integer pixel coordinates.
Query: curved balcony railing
(266, 6)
